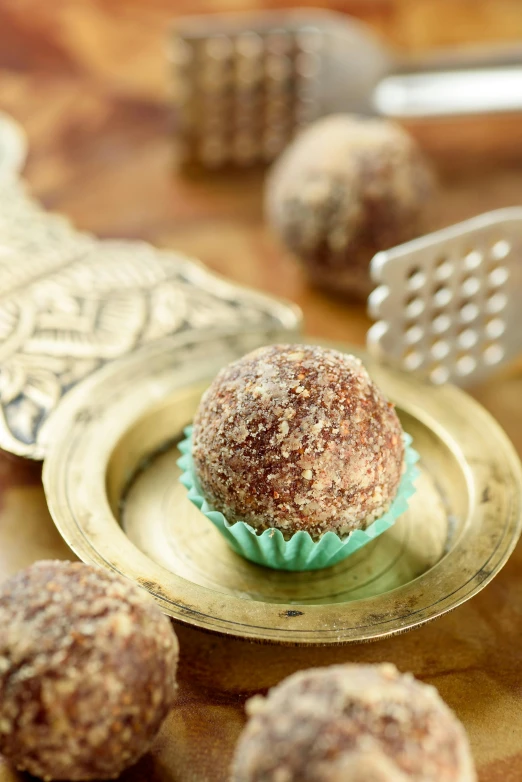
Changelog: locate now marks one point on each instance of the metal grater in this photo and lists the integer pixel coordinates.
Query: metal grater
(448, 305)
(244, 84)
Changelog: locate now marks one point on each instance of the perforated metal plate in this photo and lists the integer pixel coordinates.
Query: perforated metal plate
(240, 96)
(448, 305)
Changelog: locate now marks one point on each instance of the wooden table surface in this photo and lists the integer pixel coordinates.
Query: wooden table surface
(88, 80)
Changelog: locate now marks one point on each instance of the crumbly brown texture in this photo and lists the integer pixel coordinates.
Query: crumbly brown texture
(87, 671)
(346, 188)
(298, 437)
(352, 722)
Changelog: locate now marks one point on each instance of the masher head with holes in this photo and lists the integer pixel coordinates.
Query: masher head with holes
(448, 305)
(245, 83)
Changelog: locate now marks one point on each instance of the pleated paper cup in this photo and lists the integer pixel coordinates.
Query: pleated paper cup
(299, 552)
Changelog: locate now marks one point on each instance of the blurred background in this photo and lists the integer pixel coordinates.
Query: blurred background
(90, 82)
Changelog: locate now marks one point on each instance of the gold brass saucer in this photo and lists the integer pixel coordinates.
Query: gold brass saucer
(110, 477)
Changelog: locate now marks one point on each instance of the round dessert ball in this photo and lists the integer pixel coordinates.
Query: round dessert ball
(363, 723)
(346, 188)
(298, 438)
(87, 671)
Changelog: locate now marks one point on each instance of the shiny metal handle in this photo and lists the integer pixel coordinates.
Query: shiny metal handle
(450, 93)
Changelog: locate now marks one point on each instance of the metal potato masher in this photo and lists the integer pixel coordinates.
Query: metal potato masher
(244, 84)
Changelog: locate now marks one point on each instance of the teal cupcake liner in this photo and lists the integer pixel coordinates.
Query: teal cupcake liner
(300, 552)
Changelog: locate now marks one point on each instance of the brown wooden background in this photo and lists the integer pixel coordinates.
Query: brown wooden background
(88, 80)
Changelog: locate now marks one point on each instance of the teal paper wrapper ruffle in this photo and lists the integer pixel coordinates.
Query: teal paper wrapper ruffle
(299, 552)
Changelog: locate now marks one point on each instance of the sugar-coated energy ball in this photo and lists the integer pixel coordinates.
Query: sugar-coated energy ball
(87, 671)
(346, 188)
(298, 437)
(353, 723)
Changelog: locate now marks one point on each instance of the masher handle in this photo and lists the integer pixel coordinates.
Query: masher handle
(454, 82)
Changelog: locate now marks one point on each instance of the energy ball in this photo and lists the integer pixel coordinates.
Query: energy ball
(87, 671)
(346, 188)
(298, 438)
(366, 723)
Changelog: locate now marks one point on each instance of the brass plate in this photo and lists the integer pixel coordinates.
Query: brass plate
(111, 484)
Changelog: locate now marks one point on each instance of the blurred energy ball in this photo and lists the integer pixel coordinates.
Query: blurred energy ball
(346, 188)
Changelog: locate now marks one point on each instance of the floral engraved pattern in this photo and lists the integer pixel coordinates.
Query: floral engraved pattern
(69, 303)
